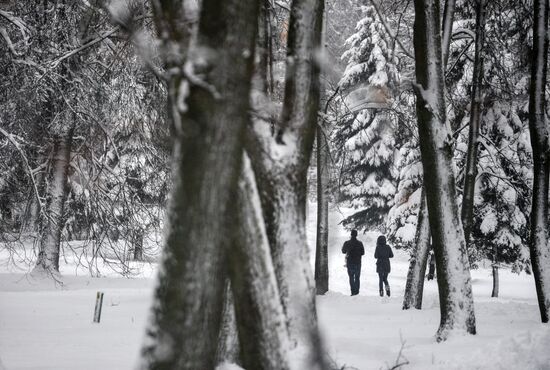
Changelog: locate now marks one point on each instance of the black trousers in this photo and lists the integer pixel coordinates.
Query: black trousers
(383, 279)
(354, 272)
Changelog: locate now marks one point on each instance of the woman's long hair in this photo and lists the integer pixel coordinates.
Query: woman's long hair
(381, 241)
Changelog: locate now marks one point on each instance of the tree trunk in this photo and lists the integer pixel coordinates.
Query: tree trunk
(419, 258)
(494, 293)
(453, 275)
(447, 30)
(280, 164)
(138, 244)
(414, 287)
(228, 341)
(186, 314)
(475, 122)
(321, 247)
(538, 241)
(56, 194)
(32, 223)
(261, 324)
(323, 178)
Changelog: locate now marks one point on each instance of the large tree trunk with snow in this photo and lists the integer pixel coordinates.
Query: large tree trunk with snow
(56, 194)
(414, 287)
(453, 275)
(261, 324)
(321, 246)
(538, 128)
(470, 172)
(183, 329)
(280, 162)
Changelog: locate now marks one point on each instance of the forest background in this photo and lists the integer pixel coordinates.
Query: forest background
(109, 107)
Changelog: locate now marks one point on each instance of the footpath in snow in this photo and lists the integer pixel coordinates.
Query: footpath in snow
(45, 325)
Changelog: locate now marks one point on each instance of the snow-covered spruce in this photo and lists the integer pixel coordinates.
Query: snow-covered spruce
(368, 130)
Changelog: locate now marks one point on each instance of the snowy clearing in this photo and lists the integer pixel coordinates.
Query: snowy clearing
(45, 325)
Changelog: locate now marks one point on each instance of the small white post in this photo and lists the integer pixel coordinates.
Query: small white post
(98, 305)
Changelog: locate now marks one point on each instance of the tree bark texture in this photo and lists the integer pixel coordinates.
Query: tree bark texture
(414, 287)
(494, 293)
(470, 172)
(228, 341)
(280, 164)
(447, 30)
(538, 128)
(321, 247)
(453, 275)
(261, 323)
(174, 29)
(183, 329)
(32, 223)
(137, 236)
(56, 194)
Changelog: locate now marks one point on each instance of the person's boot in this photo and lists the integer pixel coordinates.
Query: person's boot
(388, 290)
(381, 293)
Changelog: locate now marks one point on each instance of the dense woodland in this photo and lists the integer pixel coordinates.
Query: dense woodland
(192, 134)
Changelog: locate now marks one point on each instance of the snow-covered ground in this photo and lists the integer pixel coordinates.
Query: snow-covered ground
(45, 325)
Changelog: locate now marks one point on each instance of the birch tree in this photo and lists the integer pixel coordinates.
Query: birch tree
(183, 327)
(453, 275)
(538, 127)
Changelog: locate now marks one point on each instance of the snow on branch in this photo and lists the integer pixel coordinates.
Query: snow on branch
(389, 30)
(30, 171)
(102, 37)
(23, 28)
(15, 21)
(6, 37)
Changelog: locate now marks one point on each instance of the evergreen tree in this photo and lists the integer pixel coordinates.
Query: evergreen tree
(402, 217)
(504, 181)
(367, 135)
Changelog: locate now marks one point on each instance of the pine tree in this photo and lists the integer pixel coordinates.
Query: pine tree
(402, 217)
(367, 135)
(504, 180)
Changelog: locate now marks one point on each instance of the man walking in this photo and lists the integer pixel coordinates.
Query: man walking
(353, 249)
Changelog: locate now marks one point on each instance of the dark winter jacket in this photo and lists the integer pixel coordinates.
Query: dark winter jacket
(383, 253)
(354, 249)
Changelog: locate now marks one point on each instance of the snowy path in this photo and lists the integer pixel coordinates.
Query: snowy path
(367, 332)
(43, 326)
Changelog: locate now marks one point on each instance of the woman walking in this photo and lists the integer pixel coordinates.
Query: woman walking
(383, 253)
